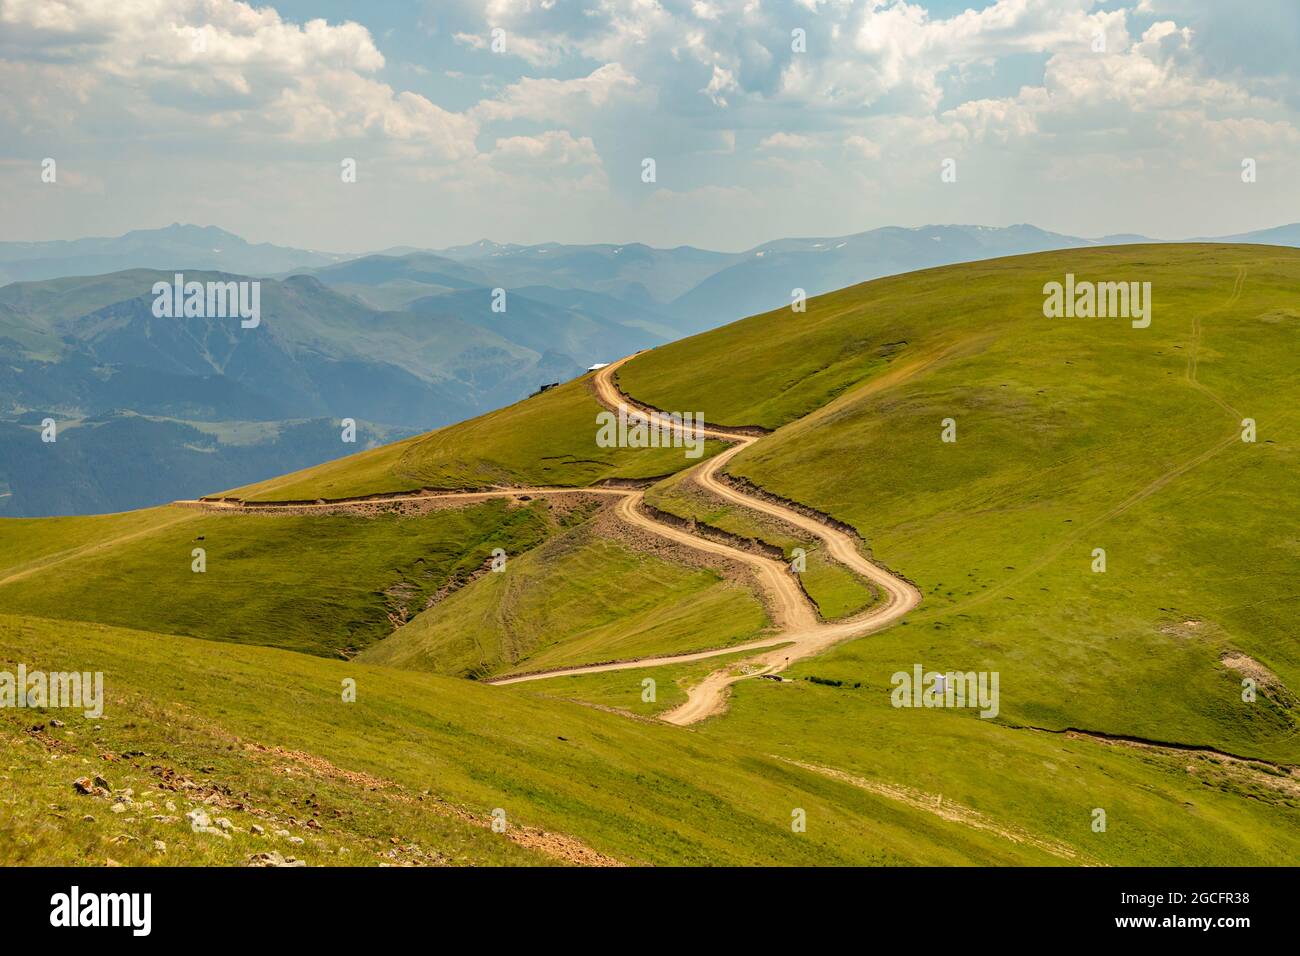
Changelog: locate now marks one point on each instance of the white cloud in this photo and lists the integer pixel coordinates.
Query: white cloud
(203, 65)
(537, 51)
(786, 141)
(542, 99)
(720, 83)
(862, 146)
(551, 149)
(850, 132)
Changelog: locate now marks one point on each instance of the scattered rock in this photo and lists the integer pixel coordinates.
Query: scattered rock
(84, 786)
(273, 858)
(256, 829)
(55, 722)
(160, 846)
(200, 822)
(199, 818)
(297, 841)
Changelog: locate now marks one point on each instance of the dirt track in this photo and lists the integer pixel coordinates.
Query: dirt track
(800, 633)
(799, 624)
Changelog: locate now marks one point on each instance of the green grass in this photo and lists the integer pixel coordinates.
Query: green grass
(549, 439)
(1072, 435)
(28, 545)
(1162, 807)
(771, 369)
(1062, 426)
(578, 599)
(837, 591)
(43, 821)
(639, 792)
(315, 583)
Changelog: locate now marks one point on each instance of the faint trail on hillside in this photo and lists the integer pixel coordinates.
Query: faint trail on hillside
(1137, 497)
(1194, 352)
(949, 810)
(60, 557)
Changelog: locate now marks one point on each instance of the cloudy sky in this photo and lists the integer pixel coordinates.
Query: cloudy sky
(1079, 116)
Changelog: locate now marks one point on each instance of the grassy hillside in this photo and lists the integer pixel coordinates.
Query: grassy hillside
(1072, 434)
(412, 770)
(578, 599)
(396, 770)
(1163, 806)
(321, 584)
(28, 545)
(549, 439)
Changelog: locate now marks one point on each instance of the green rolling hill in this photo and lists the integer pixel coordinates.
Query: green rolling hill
(548, 439)
(1120, 690)
(1071, 435)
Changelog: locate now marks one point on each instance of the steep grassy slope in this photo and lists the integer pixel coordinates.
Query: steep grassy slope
(549, 439)
(392, 772)
(29, 545)
(578, 599)
(1072, 434)
(320, 583)
(1162, 806)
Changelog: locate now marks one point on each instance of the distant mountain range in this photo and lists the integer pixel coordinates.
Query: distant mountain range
(401, 341)
(686, 290)
(172, 247)
(208, 404)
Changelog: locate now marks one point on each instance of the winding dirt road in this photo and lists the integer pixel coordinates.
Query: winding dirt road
(800, 633)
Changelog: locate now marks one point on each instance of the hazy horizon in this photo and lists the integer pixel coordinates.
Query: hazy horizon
(759, 241)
